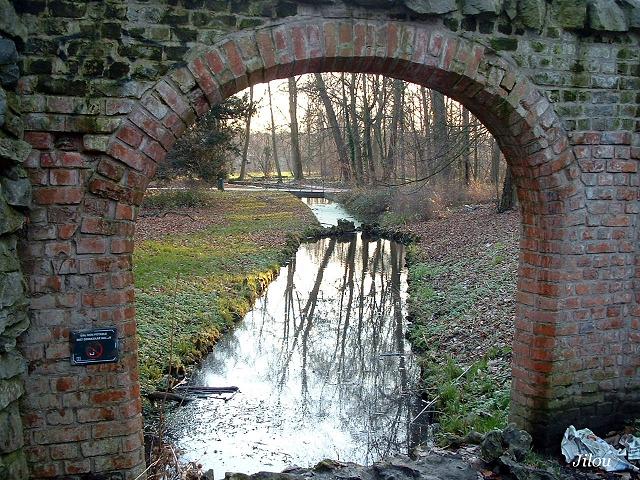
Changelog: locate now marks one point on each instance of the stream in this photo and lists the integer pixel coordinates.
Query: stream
(321, 361)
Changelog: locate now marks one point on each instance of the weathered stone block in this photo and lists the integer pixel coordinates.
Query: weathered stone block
(569, 13)
(11, 289)
(431, 7)
(10, 219)
(3, 106)
(632, 9)
(504, 43)
(476, 7)
(10, 22)
(14, 466)
(17, 321)
(95, 142)
(11, 365)
(8, 254)
(10, 391)
(9, 75)
(17, 193)
(607, 16)
(16, 187)
(15, 151)
(8, 52)
(511, 8)
(67, 8)
(532, 13)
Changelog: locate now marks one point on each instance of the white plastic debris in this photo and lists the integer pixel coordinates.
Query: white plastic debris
(582, 448)
(633, 446)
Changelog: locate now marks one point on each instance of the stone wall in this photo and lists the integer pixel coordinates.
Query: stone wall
(15, 198)
(108, 87)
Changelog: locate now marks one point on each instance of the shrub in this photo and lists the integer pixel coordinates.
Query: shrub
(391, 206)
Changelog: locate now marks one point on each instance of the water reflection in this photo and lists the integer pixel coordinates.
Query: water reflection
(322, 364)
(328, 212)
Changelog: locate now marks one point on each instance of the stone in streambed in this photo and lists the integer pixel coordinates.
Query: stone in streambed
(491, 447)
(525, 472)
(518, 442)
(429, 467)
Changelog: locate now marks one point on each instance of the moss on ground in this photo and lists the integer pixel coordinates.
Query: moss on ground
(192, 287)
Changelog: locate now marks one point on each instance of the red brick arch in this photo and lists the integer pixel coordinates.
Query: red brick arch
(521, 118)
(546, 372)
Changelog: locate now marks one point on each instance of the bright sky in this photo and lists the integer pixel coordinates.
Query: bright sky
(280, 97)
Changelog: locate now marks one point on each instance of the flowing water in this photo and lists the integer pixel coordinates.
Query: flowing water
(321, 361)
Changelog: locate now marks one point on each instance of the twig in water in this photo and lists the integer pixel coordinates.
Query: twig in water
(434, 399)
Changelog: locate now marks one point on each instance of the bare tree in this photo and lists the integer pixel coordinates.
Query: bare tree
(273, 136)
(296, 157)
(466, 146)
(343, 158)
(247, 136)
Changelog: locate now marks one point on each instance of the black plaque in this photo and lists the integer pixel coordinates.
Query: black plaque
(94, 346)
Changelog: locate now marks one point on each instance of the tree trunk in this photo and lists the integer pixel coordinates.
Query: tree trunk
(427, 131)
(508, 200)
(247, 134)
(308, 120)
(368, 125)
(476, 159)
(378, 144)
(343, 156)
(394, 147)
(466, 146)
(355, 129)
(401, 139)
(296, 157)
(440, 131)
(495, 164)
(273, 137)
(348, 128)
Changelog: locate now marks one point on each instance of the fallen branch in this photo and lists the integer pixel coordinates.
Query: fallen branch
(205, 390)
(173, 397)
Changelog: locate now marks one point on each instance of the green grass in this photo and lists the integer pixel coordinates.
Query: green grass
(195, 286)
(467, 399)
(441, 294)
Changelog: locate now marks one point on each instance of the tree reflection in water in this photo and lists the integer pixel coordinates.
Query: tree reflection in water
(322, 364)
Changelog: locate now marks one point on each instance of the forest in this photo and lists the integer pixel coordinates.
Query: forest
(376, 135)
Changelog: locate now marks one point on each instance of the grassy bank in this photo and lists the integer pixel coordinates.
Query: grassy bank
(201, 259)
(462, 277)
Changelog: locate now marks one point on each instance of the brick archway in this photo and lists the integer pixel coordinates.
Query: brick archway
(97, 244)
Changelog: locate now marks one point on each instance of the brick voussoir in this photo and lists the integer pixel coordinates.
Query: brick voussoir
(174, 98)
